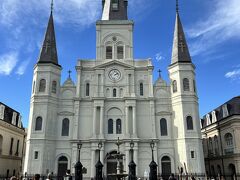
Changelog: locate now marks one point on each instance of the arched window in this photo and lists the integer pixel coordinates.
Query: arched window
(163, 127)
(120, 52)
(42, 85)
(174, 86)
(110, 126)
(189, 123)
(115, 5)
(141, 89)
(186, 86)
(1, 143)
(87, 89)
(228, 139)
(65, 127)
(109, 52)
(38, 124)
(119, 126)
(114, 92)
(54, 87)
(11, 146)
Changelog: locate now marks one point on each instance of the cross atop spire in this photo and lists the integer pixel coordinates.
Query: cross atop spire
(69, 74)
(51, 6)
(177, 6)
(159, 73)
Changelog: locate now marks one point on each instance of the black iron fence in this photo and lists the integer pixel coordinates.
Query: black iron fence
(159, 177)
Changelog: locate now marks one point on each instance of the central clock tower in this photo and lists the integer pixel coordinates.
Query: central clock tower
(114, 32)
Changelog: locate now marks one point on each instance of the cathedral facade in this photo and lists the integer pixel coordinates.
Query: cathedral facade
(114, 96)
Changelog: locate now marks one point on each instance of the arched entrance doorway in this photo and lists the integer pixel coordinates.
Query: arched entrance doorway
(62, 166)
(232, 170)
(112, 164)
(166, 167)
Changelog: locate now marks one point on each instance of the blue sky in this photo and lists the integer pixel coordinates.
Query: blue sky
(212, 28)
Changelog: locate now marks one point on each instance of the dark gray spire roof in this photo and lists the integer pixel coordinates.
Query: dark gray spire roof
(180, 52)
(48, 52)
(114, 10)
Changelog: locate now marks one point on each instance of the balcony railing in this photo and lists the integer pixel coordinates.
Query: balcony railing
(229, 150)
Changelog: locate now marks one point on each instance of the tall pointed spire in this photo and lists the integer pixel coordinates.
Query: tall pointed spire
(114, 10)
(48, 52)
(180, 52)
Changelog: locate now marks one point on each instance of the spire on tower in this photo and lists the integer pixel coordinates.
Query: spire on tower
(114, 9)
(180, 52)
(48, 52)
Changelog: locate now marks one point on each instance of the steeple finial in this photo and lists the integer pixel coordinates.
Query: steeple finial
(177, 6)
(51, 6)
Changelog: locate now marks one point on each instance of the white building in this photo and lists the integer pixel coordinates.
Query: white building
(114, 96)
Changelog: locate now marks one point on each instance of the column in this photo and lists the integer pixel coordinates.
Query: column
(102, 85)
(135, 157)
(76, 119)
(94, 121)
(127, 160)
(126, 121)
(134, 122)
(78, 81)
(150, 82)
(101, 122)
(93, 162)
(153, 119)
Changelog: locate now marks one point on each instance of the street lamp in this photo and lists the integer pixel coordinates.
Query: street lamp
(99, 165)
(132, 165)
(79, 146)
(153, 164)
(152, 145)
(78, 166)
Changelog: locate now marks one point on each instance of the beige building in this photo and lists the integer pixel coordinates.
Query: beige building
(221, 132)
(12, 141)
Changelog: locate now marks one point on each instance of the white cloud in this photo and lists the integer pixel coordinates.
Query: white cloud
(8, 62)
(221, 25)
(22, 67)
(24, 22)
(159, 56)
(234, 75)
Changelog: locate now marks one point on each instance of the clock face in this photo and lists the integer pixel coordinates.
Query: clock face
(114, 75)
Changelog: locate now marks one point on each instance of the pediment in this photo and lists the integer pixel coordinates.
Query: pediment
(66, 113)
(114, 62)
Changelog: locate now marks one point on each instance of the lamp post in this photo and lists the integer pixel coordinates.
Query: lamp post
(99, 165)
(153, 165)
(78, 165)
(132, 165)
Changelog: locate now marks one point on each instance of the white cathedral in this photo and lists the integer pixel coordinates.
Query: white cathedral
(114, 96)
